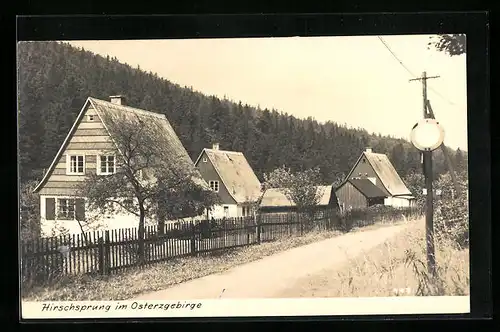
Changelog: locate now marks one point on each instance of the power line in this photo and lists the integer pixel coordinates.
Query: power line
(396, 57)
(443, 97)
(411, 73)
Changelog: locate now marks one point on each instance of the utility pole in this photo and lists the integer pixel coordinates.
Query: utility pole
(427, 168)
(446, 155)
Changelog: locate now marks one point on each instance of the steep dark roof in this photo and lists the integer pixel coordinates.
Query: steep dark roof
(385, 171)
(168, 142)
(367, 188)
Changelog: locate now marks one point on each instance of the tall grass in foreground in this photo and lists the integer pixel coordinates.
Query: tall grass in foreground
(399, 267)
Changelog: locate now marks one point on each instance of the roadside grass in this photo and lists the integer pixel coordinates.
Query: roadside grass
(134, 282)
(397, 267)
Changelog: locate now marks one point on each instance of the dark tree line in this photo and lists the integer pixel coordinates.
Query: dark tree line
(56, 78)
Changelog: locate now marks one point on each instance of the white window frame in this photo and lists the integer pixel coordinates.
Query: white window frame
(91, 117)
(57, 207)
(214, 185)
(68, 164)
(99, 172)
(204, 159)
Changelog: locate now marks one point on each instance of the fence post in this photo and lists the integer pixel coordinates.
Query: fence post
(258, 228)
(330, 219)
(301, 224)
(247, 230)
(100, 243)
(193, 239)
(107, 248)
(224, 227)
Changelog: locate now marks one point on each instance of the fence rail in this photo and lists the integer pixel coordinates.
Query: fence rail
(111, 251)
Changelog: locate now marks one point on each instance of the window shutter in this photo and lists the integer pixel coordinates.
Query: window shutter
(98, 164)
(50, 208)
(80, 209)
(67, 164)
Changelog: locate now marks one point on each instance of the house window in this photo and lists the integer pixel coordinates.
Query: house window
(204, 159)
(91, 117)
(107, 165)
(76, 164)
(214, 185)
(65, 209)
(226, 211)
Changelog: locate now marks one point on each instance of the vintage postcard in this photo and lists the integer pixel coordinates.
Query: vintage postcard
(243, 177)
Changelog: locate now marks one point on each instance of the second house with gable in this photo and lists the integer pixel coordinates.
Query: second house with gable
(230, 175)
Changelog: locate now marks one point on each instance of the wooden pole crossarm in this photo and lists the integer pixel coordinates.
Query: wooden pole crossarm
(423, 78)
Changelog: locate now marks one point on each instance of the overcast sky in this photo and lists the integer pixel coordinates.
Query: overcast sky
(352, 80)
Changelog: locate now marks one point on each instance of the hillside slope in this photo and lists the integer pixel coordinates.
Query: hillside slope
(55, 79)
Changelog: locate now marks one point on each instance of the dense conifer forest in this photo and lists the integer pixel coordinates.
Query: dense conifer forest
(55, 79)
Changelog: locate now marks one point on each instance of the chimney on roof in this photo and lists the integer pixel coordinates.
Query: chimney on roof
(369, 150)
(118, 100)
(215, 146)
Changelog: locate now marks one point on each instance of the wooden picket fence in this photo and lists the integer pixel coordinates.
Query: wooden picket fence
(108, 252)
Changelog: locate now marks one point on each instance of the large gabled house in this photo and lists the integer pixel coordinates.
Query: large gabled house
(378, 169)
(230, 175)
(85, 151)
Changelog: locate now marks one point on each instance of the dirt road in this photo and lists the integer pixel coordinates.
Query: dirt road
(271, 276)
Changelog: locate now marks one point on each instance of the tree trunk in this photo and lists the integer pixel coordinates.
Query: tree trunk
(160, 221)
(140, 233)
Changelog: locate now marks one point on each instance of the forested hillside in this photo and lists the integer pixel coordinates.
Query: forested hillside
(55, 79)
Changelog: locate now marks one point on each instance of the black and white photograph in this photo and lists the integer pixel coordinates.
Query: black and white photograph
(158, 174)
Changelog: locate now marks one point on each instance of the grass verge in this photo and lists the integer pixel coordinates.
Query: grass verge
(397, 267)
(133, 282)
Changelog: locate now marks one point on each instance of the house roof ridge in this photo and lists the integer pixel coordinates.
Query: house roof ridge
(318, 186)
(375, 153)
(224, 151)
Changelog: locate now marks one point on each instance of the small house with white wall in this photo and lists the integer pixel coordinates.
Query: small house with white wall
(229, 174)
(85, 151)
(377, 168)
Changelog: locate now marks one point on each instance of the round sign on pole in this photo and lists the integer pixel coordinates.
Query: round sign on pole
(427, 135)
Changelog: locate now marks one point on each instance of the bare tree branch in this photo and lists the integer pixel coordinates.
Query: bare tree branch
(123, 206)
(148, 174)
